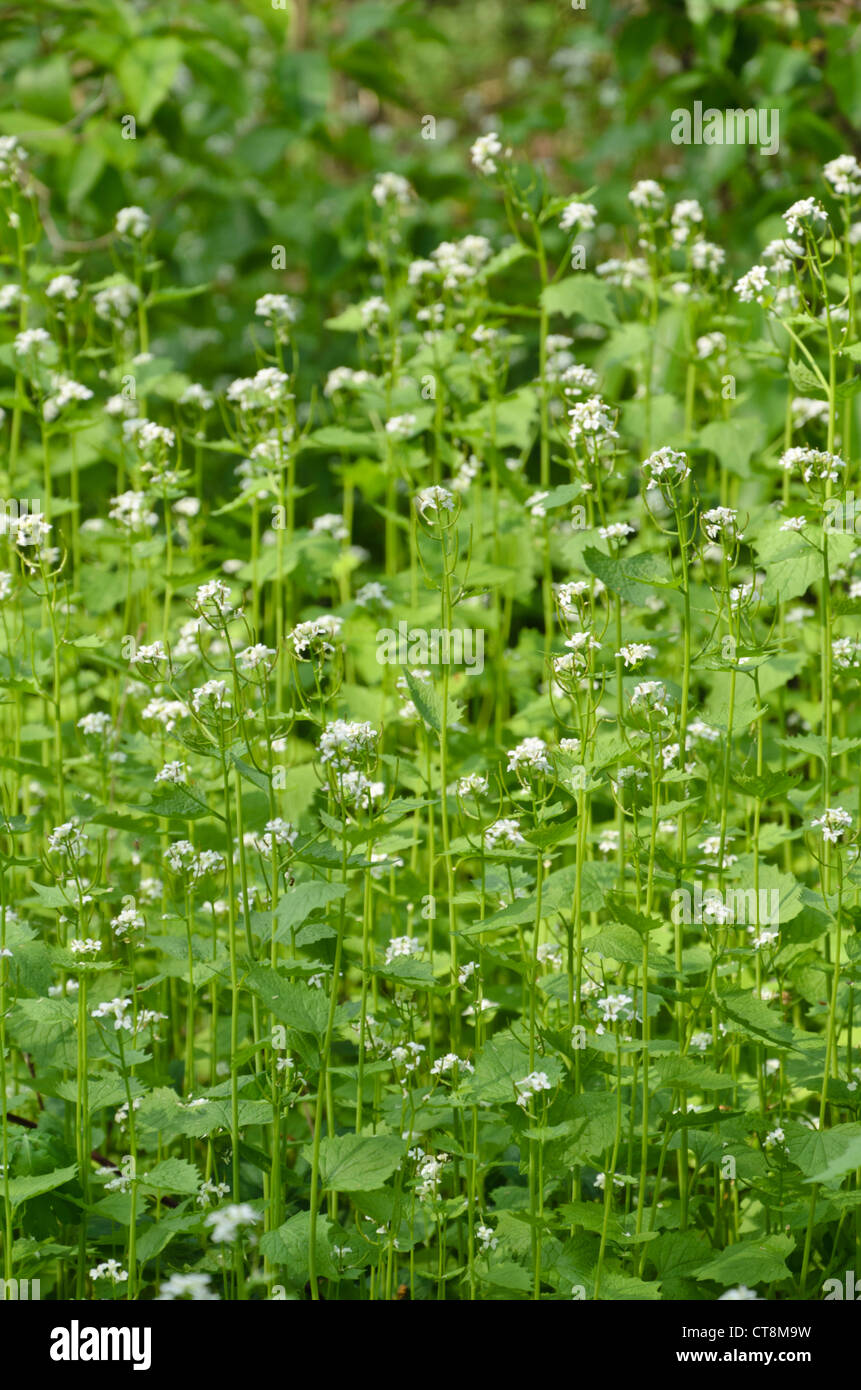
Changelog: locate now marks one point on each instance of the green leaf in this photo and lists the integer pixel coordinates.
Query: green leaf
(287, 1247)
(173, 1175)
(755, 1018)
(630, 576)
(146, 71)
(582, 294)
(358, 1162)
(297, 1005)
(429, 703)
(22, 1189)
(757, 1260)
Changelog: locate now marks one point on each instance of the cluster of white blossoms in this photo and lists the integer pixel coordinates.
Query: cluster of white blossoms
(531, 1085)
(68, 839)
(393, 190)
(505, 833)
(485, 152)
(133, 512)
(63, 392)
(530, 756)
(844, 175)
(344, 743)
(647, 196)
(228, 1223)
(403, 946)
(578, 217)
(437, 501)
(132, 222)
(278, 312)
(833, 824)
(182, 859)
(265, 391)
(721, 524)
(109, 1270)
(815, 465)
(591, 420)
(316, 638)
(666, 467)
(453, 264)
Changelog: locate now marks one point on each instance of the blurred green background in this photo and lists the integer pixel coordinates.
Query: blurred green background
(261, 123)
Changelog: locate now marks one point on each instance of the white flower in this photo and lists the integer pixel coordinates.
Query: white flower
(710, 343)
(330, 524)
(213, 694)
(194, 1287)
(316, 637)
(33, 341)
(578, 217)
(119, 1010)
(109, 1269)
(87, 946)
(96, 724)
(277, 310)
(434, 499)
(344, 743)
(706, 256)
(844, 175)
(616, 1006)
(132, 511)
(739, 1294)
(374, 312)
(817, 465)
(505, 832)
(345, 379)
(401, 426)
(373, 593)
(266, 390)
(616, 531)
(115, 302)
(650, 696)
(10, 296)
(635, 652)
(486, 1239)
(227, 1222)
(833, 823)
(252, 658)
(213, 599)
(666, 465)
(591, 419)
(129, 919)
(400, 946)
(647, 194)
(68, 839)
(530, 1086)
(686, 214)
(721, 522)
(63, 287)
(132, 222)
(803, 215)
(754, 286)
(150, 654)
(64, 392)
(197, 395)
(175, 772)
(531, 754)
(485, 151)
(392, 190)
(472, 785)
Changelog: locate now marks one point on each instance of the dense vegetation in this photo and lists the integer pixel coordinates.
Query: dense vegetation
(431, 634)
